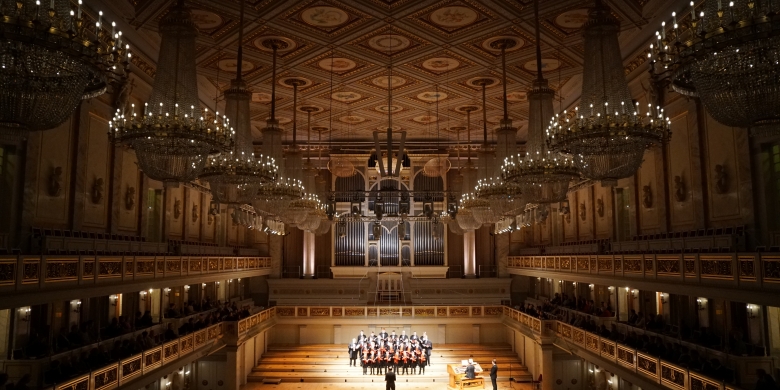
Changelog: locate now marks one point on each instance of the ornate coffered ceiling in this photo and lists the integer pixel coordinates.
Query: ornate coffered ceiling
(437, 48)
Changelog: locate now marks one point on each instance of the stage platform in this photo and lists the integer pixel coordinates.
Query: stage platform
(328, 363)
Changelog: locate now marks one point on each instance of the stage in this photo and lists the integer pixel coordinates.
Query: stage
(327, 366)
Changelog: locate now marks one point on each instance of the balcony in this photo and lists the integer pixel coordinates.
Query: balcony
(25, 279)
(746, 277)
(168, 355)
(650, 368)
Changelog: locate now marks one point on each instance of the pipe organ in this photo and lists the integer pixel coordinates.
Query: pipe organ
(360, 241)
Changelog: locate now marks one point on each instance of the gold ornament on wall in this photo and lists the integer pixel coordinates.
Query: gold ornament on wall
(176, 208)
(600, 207)
(54, 187)
(647, 196)
(721, 179)
(130, 198)
(195, 213)
(583, 211)
(97, 190)
(680, 192)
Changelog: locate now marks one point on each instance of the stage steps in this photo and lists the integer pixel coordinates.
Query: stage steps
(329, 363)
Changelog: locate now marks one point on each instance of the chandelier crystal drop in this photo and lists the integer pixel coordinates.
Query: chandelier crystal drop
(727, 54)
(171, 137)
(606, 134)
(53, 58)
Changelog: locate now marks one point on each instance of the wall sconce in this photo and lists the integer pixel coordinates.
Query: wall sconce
(611, 290)
(627, 289)
(142, 293)
(113, 299)
(76, 306)
(203, 285)
(167, 291)
(751, 310)
(634, 292)
(239, 279)
(664, 298)
(591, 286)
(187, 287)
(150, 291)
(701, 304)
(24, 313)
(217, 283)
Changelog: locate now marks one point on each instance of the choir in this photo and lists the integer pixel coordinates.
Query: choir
(403, 353)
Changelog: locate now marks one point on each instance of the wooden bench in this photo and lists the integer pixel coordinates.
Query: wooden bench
(471, 383)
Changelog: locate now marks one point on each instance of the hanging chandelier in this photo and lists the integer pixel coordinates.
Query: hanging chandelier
(52, 59)
(480, 206)
(542, 175)
(465, 217)
(606, 136)
(275, 197)
(504, 197)
(171, 138)
(236, 177)
(727, 56)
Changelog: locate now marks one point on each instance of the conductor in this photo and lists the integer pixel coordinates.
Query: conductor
(390, 379)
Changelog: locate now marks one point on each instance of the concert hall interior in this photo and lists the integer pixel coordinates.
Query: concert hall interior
(309, 194)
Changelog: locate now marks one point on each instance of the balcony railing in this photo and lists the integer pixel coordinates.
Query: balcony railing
(750, 270)
(28, 272)
(126, 370)
(667, 374)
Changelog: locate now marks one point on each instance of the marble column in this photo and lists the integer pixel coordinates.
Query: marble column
(308, 255)
(548, 370)
(233, 367)
(469, 254)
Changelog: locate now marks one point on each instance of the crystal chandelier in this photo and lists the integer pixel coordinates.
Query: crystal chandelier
(607, 137)
(465, 217)
(341, 167)
(505, 197)
(236, 177)
(275, 197)
(726, 55)
(171, 138)
(437, 166)
(52, 59)
(299, 209)
(480, 207)
(542, 175)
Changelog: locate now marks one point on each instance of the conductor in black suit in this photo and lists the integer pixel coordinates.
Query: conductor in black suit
(390, 379)
(494, 374)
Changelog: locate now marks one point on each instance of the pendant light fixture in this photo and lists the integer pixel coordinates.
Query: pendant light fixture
(542, 175)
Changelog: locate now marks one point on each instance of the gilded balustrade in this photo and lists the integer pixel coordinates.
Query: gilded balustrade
(44, 271)
(667, 374)
(128, 369)
(745, 269)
